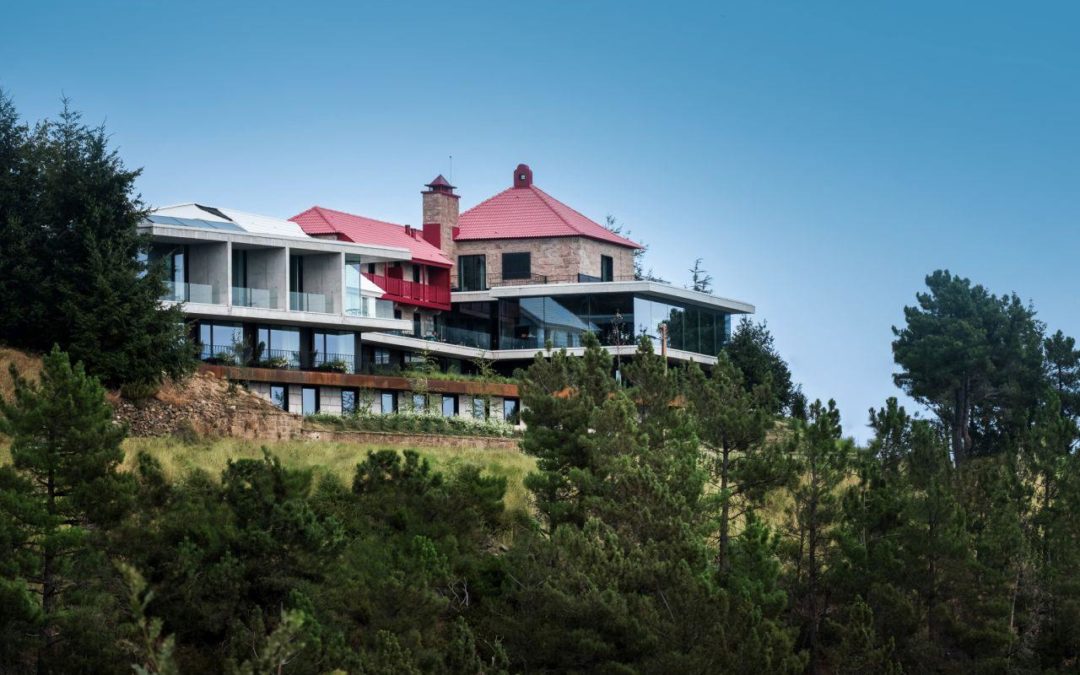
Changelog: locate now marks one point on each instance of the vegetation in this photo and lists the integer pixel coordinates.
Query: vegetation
(672, 525)
(419, 423)
(70, 269)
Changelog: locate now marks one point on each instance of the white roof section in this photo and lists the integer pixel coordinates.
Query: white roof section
(649, 289)
(249, 222)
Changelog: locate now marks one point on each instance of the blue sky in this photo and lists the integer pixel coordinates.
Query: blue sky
(820, 157)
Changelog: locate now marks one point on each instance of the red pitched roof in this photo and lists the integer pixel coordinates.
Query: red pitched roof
(526, 211)
(320, 220)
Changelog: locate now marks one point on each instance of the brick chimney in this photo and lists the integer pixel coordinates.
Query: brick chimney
(440, 214)
(522, 176)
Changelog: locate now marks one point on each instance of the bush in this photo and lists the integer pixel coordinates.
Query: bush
(424, 423)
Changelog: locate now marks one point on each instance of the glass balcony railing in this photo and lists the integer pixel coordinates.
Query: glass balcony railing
(254, 297)
(358, 305)
(288, 359)
(201, 293)
(310, 302)
(463, 336)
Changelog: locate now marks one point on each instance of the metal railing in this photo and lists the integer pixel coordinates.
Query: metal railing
(411, 290)
(254, 297)
(289, 359)
(494, 281)
(206, 294)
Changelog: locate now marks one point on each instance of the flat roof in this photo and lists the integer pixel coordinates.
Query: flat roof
(303, 243)
(650, 289)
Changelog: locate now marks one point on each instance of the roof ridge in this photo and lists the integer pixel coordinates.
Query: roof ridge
(545, 197)
(357, 215)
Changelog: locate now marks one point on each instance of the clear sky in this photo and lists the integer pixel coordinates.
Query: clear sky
(820, 157)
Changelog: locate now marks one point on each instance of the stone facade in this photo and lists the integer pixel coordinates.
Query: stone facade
(557, 258)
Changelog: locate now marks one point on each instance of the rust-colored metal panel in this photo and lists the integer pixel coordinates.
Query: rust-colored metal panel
(316, 378)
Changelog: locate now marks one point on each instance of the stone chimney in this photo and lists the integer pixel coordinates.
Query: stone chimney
(440, 215)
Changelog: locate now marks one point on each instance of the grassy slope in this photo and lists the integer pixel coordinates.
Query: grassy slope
(323, 457)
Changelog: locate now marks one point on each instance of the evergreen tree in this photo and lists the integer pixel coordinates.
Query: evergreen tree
(70, 267)
(752, 350)
(67, 448)
(558, 395)
(975, 359)
(823, 458)
(731, 424)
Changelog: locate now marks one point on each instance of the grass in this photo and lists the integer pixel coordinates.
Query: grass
(323, 458)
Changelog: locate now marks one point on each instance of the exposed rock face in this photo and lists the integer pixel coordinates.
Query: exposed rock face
(205, 405)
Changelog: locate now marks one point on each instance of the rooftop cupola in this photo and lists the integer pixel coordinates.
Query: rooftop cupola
(440, 185)
(522, 176)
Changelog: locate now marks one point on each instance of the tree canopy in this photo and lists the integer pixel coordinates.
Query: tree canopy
(71, 272)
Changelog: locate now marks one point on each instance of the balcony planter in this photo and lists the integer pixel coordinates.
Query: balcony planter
(273, 362)
(333, 367)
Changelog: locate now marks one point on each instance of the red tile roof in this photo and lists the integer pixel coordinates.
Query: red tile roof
(529, 212)
(320, 220)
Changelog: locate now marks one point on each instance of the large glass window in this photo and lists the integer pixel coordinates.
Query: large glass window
(348, 401)
(419, 403)
(696, 329)
(510, 410)
(296, 273)
(279, 346)
(353, 300)
(220, 340)
(479, 408)
(449, 406)
(388, 402)
(239, 269)
(279, 396)
(516, 265)
(335, 348)
(310, 400)
(472, 272)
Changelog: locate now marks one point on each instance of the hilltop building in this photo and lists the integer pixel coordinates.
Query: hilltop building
(326, 311)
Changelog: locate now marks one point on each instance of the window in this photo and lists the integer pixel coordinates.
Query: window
(382, 357)
(337, 349)
(419, 402)
(278, 346)
(239, 269)
(416, 325)
(449, 406)
(220, 339)
(516, 265)
(479, 408)
(472, 272)
(279, 396)
(371, 268)
(388, 402)
(510, 410)
(348, 401)
(309, 402)
(416, 273)
(607, 268)
(296, 274)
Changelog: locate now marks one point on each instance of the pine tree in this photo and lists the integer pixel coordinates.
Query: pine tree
(731, 423)
(752, 350)
(823, 458)
(70, 268)
(66, 445)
